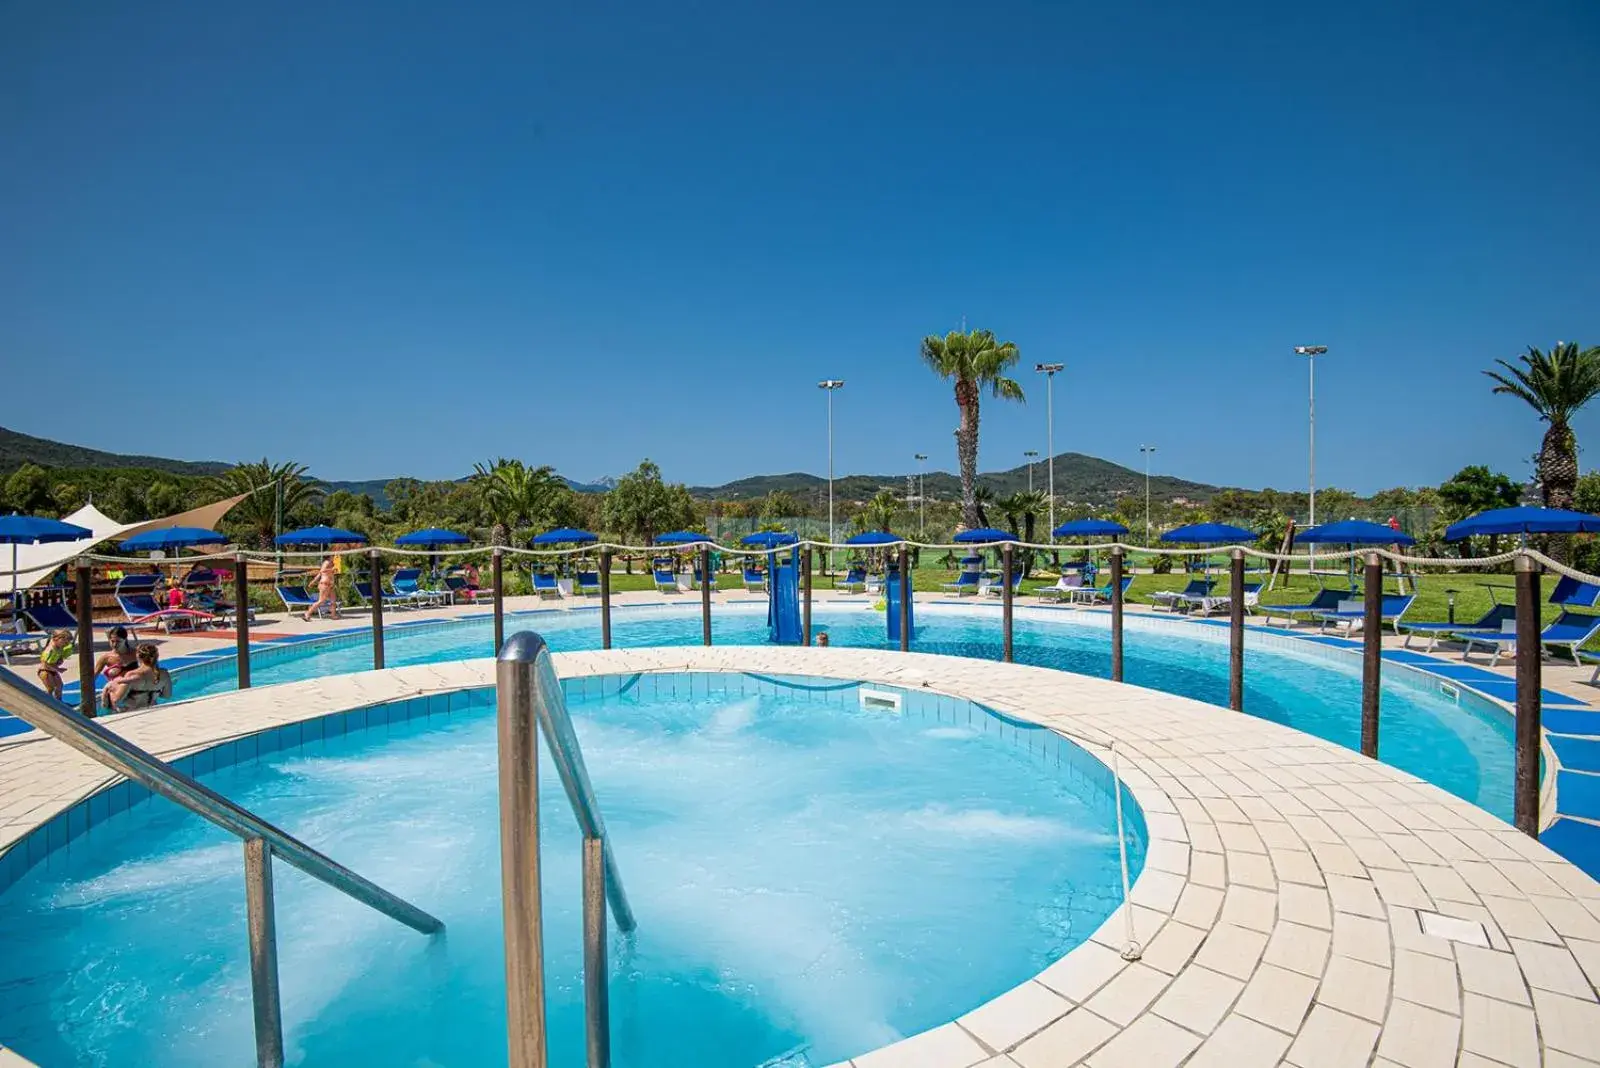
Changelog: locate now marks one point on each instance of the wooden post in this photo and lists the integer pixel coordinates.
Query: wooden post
(1236, 631)
(85, 612)
(605, 598)
(905, 600)
(805, 608)
(375, 575)
(497, 568)
(1371, 654)
(1117, 555)
(1005, 603)
(241, 609)
(705, 596)
(1530, 655)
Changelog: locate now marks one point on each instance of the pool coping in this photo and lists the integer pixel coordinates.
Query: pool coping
(1278, 907)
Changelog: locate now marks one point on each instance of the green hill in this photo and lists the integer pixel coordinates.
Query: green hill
(17, 449)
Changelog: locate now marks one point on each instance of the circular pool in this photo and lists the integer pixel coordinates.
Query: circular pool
(814, 875)
(1452, 739)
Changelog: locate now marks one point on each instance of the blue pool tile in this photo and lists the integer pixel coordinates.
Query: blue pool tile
(1578, 794)
(1578, 842)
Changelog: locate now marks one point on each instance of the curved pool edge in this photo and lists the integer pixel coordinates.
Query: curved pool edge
(1259, 839)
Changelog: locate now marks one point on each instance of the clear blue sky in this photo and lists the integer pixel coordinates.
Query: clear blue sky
(391, 238)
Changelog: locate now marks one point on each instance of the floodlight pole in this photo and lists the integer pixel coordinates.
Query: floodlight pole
(1049, 371)
(922, 495)
(1032, 455)
(828, 385)
(1311, 352)
(1148, 451)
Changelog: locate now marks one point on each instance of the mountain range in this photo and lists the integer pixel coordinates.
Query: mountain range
(1080, 478)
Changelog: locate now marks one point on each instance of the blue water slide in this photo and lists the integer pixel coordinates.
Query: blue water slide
(783, 607)
(891, 588)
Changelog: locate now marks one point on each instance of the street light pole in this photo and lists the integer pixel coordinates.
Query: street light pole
(1049, 371)
(922, 495)
(1032, 455)
(1311, 352)
(1147, 450)
(828, 385)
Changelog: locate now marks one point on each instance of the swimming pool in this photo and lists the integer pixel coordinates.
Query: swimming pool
(1458, 742)
(812, 878)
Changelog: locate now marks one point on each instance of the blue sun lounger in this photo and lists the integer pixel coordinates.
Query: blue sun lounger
(544, 584)
(1195, 592)
(755, 581)
(19, 642)
(1351, 612)
(998, 585)
(666, 581)
(854, 578)
(1491, 622)
(1326, 600)
(1097, 594)
(52, 617)
(588, 582)
(407, 582)
(1570, 630)
(965, 583)
(399, 600)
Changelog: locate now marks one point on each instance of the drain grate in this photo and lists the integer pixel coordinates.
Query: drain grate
(1454, 929)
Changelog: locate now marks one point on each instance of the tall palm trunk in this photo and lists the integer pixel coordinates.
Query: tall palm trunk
(1558, 466)
(967, 452)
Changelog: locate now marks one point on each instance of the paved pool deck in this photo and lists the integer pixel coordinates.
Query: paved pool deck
(1300, 904)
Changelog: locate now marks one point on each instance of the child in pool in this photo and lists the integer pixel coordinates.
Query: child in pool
(56, 650)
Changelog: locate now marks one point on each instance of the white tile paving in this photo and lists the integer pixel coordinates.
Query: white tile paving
(1278, 909)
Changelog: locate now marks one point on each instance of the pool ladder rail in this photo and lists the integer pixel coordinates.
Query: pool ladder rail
(262, 841)
(528, 702)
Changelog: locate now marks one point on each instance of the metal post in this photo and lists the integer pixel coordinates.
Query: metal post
(705, 597)
(1236, 631)
(263, 952)
(905, 600)
(605, 597)
(85, 577)
(241, 609)
(497, 567)
(1005, 603)
(376, 577)
(1116, 613)
(1529, 682)
(518, 737)
(805, 608)
(1371, 655)
(596, 970)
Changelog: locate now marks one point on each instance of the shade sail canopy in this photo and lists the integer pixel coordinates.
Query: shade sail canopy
(681, 537)
(1209, 534)
(165, 538)
(1523, 520)
(322, 536)
(38, 530)
(873, 537)
(769, 539)
(1355, 532)
(37, 562)
(1090, 528)
(984, 535)
(433, 536)
(565, 536)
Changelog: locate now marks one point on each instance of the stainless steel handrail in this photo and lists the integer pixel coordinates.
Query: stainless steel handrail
(528, 693)
(261, 840)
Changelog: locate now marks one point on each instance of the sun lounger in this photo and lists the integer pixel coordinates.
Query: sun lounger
(1570, 593)
(459, 591)
(407, 582)
(1352, 612)
(755, 580)
(1098, 594)
(48, 617)
(1570, 630)
(1061, 590)
(1491, 622)
(296, 599)
(399, 600)
(19, 642)
(966, 582)
(1180, 600)
(666, 581)
(852, 579)
(1326, 600)
(997, 584)
(589, 582)
(545, 585)
(134, 595)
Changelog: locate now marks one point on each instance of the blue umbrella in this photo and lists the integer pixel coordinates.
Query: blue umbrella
(565, 536)
(35, 530)
(874, 537)
(1524, 520)
(164, 538)
(1355, 532)
(1209, 534)
(431, 537)
(769, 539)
(984, 535)
(681, 537)
(322, 536)
(1089, 528)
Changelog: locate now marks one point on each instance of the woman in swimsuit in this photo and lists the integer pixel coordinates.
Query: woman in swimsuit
(120, 657)
(325, 591)
(139, 686)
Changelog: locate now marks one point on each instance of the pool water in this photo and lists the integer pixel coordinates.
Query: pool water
(1460, 746)
(812, 879)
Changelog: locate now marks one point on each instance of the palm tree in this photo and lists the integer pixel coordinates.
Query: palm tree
(515, 495)
(982, 498)
(1021, 509)
(881, 511)
(973, 360)
(1556, 385)
(275, 490)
